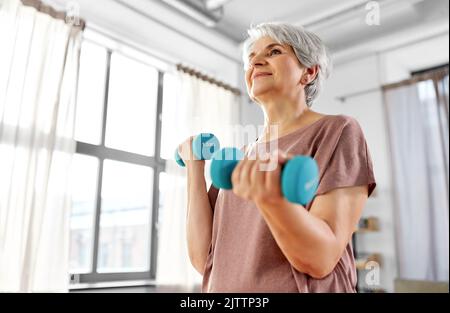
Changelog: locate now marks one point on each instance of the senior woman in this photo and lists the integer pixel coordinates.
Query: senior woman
(251, 239)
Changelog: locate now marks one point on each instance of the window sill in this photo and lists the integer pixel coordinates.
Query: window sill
(112, 284)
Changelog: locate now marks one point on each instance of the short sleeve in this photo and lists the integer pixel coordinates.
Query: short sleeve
(349, 163)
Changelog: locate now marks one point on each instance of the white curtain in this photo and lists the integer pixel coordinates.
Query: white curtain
(194, 106)
(418, 128)
(38, 74)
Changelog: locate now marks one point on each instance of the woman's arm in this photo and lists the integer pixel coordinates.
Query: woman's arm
(199, 214)
(313, 241)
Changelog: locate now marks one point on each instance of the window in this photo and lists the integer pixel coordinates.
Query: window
(417, 115)
(91, 93)
(117, 167)
(125, 214)
(170, 113)
(130, 124)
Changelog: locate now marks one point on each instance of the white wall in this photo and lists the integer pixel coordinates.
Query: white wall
(398, 63)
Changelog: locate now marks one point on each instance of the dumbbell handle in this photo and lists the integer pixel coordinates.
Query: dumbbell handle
(203, 147)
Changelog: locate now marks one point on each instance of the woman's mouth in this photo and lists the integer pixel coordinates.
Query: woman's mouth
(260, 75)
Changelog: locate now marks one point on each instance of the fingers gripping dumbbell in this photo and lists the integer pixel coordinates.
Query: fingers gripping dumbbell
(203, 147)
(299, 175)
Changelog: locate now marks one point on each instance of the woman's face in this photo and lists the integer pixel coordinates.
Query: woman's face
(273, 70)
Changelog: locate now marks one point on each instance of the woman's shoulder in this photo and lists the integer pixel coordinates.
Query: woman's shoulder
(339, 118)
(341, 121)
(336, 128)
(344, 129)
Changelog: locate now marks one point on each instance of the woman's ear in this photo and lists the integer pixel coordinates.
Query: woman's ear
(310, 74)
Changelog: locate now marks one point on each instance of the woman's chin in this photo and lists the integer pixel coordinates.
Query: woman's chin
(260, 92)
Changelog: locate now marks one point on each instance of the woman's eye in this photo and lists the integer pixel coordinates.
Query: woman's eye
(274, 51)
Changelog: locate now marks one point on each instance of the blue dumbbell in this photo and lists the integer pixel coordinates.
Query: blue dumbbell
(203, 147)
(299, 176)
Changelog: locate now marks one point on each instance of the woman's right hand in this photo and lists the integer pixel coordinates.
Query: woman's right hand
(185, 152)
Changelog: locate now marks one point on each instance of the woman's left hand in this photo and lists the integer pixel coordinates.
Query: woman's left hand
(259, 179)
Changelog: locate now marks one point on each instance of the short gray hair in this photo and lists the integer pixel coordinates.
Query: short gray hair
(307, 46)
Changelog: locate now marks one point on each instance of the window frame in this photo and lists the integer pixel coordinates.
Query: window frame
(155, 162)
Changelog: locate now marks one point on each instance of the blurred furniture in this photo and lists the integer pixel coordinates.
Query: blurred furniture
(404, 285)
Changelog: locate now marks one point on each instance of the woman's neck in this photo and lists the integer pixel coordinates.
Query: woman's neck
(282, 118)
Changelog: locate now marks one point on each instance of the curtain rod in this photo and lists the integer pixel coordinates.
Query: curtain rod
(49, 10)
(206, 78)
(436, 74)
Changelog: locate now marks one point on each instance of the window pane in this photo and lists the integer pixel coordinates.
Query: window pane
(84, 173)
(124, 243)
(169, 138)
(91, 93)
(132, 99)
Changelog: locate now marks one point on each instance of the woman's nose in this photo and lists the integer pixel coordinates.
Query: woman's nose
(257, 60)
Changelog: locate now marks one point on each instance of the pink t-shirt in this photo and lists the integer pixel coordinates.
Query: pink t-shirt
(244, 256)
